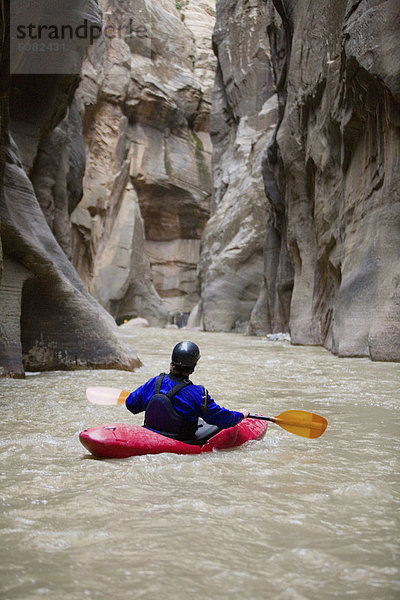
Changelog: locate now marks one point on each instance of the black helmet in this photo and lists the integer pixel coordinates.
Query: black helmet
(185, 354)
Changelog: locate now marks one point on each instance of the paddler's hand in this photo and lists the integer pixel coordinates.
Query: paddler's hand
(245, 413)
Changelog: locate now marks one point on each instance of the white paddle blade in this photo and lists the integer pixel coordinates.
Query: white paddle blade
(106, 396)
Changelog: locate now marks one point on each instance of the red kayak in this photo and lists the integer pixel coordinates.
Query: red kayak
(120, 441)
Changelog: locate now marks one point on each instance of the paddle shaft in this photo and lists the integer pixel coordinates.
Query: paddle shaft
(261, 418)
(299, 422)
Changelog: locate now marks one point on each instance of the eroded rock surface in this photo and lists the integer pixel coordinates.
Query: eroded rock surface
(331, 272)
(48, 319)
(145, 99)
(305, 220)
(339, 145)
(243, 119)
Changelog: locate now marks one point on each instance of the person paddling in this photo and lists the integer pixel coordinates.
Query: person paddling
(173, 404)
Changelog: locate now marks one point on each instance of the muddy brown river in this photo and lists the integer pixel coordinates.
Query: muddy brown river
(283, 518)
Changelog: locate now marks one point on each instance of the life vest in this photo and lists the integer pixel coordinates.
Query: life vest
(161, 416)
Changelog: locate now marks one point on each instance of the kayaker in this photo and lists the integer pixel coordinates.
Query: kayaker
(177, 413)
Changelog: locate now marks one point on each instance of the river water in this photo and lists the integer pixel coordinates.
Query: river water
(283, 518)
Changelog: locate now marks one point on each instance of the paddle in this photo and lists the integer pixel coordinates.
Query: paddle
(299, 422)
(106, 396)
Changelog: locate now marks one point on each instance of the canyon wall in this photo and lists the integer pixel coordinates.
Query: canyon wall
(48, 319)
(145, 99)
(244, 114)
(107, 171)
(289, 222)
(329, 269)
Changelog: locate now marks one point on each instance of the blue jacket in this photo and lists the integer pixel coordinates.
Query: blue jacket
(187, 402)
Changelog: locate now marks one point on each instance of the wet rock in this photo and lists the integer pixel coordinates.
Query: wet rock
(13, 277)
(137, 322)
(57, 175)
(338, 144)
(242, 124)
(278, 337)
(329, 202)
(61, 325)
(49, 320)
(145, 99)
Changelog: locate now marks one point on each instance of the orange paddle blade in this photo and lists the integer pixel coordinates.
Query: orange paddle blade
(301, 422)
(106, 396)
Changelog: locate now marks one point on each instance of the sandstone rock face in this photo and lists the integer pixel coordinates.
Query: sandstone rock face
(145, 99)
(305, 216)
(243, 120)
(57, 175)
(48, 319)
(339, 145)
(331, 254)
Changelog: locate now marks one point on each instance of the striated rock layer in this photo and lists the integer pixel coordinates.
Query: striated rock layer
(243, 117)
(145, 98)
(48, 319)
(331, 272)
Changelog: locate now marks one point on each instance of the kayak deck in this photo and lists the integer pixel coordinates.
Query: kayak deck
(122, 440)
